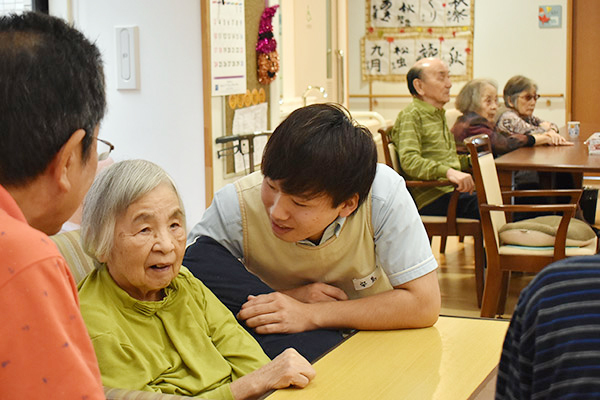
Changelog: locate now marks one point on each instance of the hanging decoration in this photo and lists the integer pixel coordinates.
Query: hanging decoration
(266, 48)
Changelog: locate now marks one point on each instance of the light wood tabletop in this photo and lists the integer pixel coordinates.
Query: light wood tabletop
(453, 359)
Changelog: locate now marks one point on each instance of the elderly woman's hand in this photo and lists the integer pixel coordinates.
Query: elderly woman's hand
(551, 138)
(287, 369)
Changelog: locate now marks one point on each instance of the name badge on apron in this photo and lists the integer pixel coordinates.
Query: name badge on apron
(367, 281)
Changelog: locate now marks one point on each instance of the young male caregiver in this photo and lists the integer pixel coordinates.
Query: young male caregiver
(327, 240)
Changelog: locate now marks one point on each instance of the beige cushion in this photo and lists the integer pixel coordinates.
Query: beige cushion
(69, 245)
(541, 232)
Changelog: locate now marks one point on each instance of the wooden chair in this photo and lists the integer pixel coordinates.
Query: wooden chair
(502, 259)
(442, 226)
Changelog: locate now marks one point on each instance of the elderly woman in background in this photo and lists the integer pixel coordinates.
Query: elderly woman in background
(153, 325)
(520, 97)
(477, 100)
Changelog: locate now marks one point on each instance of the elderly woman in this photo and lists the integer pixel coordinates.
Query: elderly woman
(477, 100)
(520, 97)
(153, 325)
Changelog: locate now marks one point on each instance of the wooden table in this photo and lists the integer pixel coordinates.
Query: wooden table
(573, 159)
(453, 359)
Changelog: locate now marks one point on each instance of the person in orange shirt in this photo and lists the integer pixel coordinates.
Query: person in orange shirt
(52, 99)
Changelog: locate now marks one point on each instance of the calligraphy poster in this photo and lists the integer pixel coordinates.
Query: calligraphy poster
(228, 47)
(419, 13)
(402, 56)
(377, 57)
(416, 29)
(454, 53)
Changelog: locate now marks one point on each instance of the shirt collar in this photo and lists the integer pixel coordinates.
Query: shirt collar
(332, 230)
(8, 204)
(425, 106)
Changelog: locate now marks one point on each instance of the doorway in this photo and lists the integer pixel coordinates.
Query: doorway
(585, 53)
(313, 54)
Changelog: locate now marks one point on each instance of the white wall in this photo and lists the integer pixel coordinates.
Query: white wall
(163, 120)
(507, 41)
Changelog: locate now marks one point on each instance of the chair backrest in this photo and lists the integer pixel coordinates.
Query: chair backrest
(69, 245)
(451, 117)
(486, 177)
(389, 150)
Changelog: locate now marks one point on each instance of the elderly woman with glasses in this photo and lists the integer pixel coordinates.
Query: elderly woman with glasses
(520, 97)
(478, 102)
(153, 325)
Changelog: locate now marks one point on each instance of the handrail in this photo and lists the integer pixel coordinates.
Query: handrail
(372, 96)
(238, 147)
(370, 114)
(367, 96)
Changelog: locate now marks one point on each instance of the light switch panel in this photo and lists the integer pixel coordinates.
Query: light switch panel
(127, 57)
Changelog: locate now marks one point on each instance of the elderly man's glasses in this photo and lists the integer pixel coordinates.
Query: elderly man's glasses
(104, 149)
(529, 97)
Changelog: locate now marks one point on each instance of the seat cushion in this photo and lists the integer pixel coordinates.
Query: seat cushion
(69, 244)
(541, 232)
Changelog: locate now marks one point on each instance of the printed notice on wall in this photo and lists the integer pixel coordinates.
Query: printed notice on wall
(228, 47)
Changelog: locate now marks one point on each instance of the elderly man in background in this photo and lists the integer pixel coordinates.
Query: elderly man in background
(51, 101)
(426, 147)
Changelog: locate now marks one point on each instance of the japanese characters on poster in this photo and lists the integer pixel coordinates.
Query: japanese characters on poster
(413, 13)
(401, 32)
(228, 47)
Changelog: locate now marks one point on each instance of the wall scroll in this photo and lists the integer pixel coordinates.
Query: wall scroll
(401, 32)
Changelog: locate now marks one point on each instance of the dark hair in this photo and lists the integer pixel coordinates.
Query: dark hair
(52, 85)
(414, 73)
(515, 86)
(320, 149)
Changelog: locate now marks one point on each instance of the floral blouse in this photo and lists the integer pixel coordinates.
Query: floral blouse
(510, 122)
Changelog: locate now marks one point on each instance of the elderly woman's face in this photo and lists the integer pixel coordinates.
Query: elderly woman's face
(526, 102)
(489, 103)
(149, 244)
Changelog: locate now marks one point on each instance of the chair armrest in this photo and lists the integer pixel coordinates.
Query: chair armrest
(574, 194)
(560, 240)
(127, 394)
(413, 183)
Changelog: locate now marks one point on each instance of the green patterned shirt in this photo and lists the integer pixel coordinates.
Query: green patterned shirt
(426, 148)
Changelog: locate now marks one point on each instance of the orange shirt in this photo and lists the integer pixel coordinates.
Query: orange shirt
(45, 350)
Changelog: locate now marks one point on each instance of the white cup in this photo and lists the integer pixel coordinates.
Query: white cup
(573, 128)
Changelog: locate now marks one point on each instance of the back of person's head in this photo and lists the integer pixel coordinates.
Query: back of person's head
(516, 85)
(113, 191)
(469, 97)
(51, 85)
(415, 72)
(319, 149)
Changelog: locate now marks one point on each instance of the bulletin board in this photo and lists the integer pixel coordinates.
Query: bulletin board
(255, 92)
(244, 106)
(401, 32)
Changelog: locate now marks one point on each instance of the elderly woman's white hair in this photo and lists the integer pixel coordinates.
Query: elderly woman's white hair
(469, 97)
(113, 191)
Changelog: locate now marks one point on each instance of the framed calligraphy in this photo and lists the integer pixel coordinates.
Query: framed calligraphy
(401, 32)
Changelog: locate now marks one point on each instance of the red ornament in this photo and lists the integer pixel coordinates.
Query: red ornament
(454, 33)
(370, 29)
(429, 30)
(401, 30)
(443, 4)
(468, 50)
(441, 38)
(389, 39)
